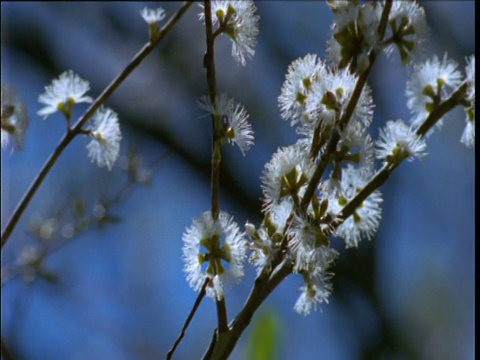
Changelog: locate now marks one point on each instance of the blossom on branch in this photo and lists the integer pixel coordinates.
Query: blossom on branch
(214, 250)
(237, 19)
(65, 91)
(105, 132)
(398, 141)
(407, 29)
(430, 84)
(236, 128)
(152, 16)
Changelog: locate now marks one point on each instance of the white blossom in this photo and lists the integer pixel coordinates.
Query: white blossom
(241, 25)
(152, 16)
(65, 91)
(315, 290)
(428, 85)
(398, 141)
(237, 128)
(214, 250)
(105, 132)
(364, 222)
(407, 28)
(285, 175)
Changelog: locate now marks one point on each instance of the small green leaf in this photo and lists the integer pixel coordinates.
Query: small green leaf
(262, 342)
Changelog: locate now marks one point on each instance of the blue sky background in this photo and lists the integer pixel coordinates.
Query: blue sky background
(120, 292)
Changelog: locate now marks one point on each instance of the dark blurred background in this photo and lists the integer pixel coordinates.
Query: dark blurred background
(116, 290)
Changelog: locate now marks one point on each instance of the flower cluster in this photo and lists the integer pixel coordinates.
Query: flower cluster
(315, 188)
(435, 81)
(355, 32)
(237, 19)
(315, 98)
(324, 185)
(70, 89)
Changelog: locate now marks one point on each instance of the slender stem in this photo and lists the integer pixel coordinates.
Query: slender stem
(189, 319)
(212, 92)
(77, 128)
(457, 97)
(67, 138)
(209, 63)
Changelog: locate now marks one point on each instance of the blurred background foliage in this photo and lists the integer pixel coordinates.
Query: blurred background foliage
(93, 269)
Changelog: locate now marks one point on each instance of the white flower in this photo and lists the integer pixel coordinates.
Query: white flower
(331, 95)
(468, 135)
(302, 73)
(240, 24)
(309, 247)
(364, 222)
(219, 247)
(152, 16)
(67, 90)
(105, 131)
(316, 290)
(428, 85)
(14, 118)
(398, 141)
(286, 175)
(354, 35)
(267, 239)
(340, 5)
(408, 28)
(237, 128)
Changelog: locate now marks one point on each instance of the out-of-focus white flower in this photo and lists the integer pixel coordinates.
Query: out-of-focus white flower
(105, 132)
(14, 118)
(468, 135)
(315, 290)
(428, 86)
(152, 16)
(239, 22)
(65, 91)
(237, 128)
(219, 247)
(398, 141)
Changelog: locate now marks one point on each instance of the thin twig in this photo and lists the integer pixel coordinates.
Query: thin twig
(209, 63)
(77, 128)
(189, 319)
